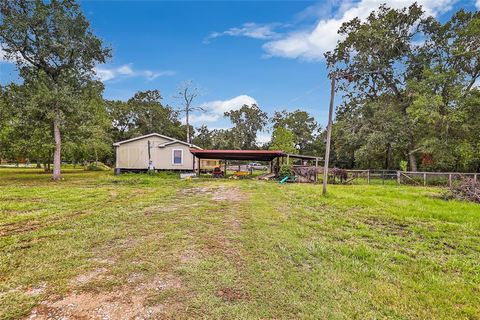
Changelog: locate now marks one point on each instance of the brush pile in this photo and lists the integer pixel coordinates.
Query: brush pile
(468, 190)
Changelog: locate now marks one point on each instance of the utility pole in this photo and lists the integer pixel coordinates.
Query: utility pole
(329, 135)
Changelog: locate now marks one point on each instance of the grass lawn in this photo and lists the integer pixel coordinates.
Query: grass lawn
(99, 246)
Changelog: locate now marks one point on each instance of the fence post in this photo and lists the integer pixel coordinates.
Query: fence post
(475, 178)
(424, 179)
(449, 180)
(398, 178)
(368, 176)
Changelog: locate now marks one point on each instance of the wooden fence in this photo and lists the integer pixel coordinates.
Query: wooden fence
(434, 178)
(374, 176)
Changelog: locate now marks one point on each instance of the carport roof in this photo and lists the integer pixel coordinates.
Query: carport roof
(253, 155)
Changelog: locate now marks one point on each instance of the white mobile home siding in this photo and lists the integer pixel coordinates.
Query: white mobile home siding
(134, 154)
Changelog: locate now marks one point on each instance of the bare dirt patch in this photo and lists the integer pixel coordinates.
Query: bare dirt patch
(88, 277)
(37, 290)
(189, 255)
(231, 294)
(228, 194)
(126, 302)
(217, 193)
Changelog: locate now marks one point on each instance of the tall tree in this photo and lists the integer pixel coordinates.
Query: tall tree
(247, 121)
(301, 123)
(203, 137)
(283, 139)
(27, 130)
(142, 114)
(187, 93)
(409, 76)
(51, 41)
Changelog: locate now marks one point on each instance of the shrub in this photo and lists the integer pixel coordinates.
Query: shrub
(98, 167)
(285, 170)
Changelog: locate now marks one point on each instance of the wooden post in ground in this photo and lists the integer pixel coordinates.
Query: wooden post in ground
(475, 178)
(449, 180)
(316, 169)
(225, 171)
(198, 174)
(399, 181)
(368, 176)
(424, 179)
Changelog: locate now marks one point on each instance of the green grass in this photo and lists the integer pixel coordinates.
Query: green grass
(238, 248)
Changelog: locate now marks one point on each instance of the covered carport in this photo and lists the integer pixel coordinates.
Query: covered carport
(238, 155)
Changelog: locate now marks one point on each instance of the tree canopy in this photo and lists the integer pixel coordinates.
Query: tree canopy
(411, 78)
(55, 52)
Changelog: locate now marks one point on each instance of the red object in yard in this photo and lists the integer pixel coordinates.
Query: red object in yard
(217, 172)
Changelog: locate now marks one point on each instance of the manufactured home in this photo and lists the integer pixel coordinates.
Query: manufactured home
(154, 151)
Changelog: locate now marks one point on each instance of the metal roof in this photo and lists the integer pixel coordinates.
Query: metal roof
(303, 157)
(254, 155)
(172, 140)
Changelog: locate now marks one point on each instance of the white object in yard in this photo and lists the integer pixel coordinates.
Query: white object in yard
(186, 175)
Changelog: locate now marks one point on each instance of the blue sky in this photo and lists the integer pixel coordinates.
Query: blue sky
(268, 52)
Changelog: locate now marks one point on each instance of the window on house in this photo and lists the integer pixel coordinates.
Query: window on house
(177, 156)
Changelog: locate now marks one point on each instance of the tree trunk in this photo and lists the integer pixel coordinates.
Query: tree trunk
(38, 164)
(388, 154)
(413, 161)
(188, 125)
(57, 158)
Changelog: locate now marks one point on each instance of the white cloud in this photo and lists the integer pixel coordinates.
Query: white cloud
(105, 73)
(214, 110)
(108, 73)
(201, 118)
(310, 44)
(150, 75)
(263, 138)
(249, 30)
(125, 69)
(477, 4)
(219, 107)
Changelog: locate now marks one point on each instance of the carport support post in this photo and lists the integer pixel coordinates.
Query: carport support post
(316, 169)
(225, 166)
(198, 172)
